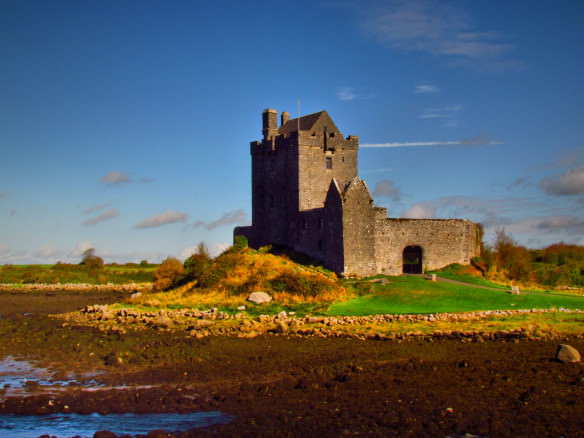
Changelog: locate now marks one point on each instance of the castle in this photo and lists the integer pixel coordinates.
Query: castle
(306, 195)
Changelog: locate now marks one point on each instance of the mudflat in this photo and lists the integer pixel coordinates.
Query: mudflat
(281, 385)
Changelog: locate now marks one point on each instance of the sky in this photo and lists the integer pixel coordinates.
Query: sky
(125, 125)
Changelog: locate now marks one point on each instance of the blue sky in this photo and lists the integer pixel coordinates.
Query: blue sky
(125, 126)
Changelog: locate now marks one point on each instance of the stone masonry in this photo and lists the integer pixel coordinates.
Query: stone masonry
(306, 195)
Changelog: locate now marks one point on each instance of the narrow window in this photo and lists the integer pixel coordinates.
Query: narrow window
(320, 245)
(304, 225)
(343, 159)
(321, 223)
(329, 162)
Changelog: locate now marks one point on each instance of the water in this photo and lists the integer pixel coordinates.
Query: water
(68, 425)
(19, 377)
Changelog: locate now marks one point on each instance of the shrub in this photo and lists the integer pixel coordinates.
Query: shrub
(198, 263)
(170, 272)
(296, 283)
(91, 260)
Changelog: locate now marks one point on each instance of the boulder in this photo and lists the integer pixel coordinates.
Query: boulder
(259, 298)
(568, 354)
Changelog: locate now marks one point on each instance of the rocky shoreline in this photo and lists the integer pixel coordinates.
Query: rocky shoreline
(212, 322)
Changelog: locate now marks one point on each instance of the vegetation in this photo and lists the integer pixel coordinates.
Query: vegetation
(558, 265)
(227, 280)
(168, 274)
(76, 273)
(418, 295)
(91, 260)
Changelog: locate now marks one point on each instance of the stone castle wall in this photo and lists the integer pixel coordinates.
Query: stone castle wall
(443, 242)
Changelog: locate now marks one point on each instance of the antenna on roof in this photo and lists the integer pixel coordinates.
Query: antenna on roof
(298, 119)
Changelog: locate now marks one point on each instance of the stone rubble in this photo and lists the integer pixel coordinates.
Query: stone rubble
(215, 322)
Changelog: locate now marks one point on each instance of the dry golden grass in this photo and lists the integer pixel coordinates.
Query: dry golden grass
(235, 274)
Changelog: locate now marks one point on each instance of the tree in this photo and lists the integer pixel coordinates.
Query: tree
(168, 274)
(198, 263)
(91, 260)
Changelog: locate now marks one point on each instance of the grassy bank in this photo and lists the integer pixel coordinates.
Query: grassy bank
(73, 273)
(418, 295)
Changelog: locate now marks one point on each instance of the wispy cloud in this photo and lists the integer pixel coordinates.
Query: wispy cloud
(110, 214)
(96, 208)
(235, 217)
(423, 210)
(116, 178)
(518, 183)
(346, 94)
(387, 188)
(5, 194)
(570, 183)
(168, 217)
(448, 114)
(473, 141)
(437, 28)
(426, 88)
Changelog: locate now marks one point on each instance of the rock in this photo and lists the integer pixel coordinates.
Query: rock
(281, 327)
(136, 295)
(515, 290)
(259, 298)
(241, 308)
(568, 354)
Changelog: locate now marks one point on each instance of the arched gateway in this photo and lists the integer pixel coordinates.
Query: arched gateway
(412, 260)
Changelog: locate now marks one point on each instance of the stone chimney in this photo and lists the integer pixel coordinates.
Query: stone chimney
(285, 117)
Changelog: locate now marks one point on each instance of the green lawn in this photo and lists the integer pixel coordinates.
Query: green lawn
(417, 295)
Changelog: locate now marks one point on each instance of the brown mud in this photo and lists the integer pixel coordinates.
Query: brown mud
(296, 386)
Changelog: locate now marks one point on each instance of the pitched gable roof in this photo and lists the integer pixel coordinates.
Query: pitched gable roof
(310, 122)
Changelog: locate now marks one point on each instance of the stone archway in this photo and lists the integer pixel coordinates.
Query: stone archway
(412, 260)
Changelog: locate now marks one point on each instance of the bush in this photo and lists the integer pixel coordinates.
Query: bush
(169, 273)
(297, 283)
(91, 260)
(197, 265)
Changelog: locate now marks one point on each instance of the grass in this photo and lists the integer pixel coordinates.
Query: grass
(73, 273)
(416, 295)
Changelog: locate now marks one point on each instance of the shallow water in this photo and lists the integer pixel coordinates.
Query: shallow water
(67, 425)
(19, 377)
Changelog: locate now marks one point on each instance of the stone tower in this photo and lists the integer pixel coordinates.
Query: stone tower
(306, 195)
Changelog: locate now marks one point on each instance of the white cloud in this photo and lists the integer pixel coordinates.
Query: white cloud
(437, 28)
(387, 188)
(570, 183)
(346, 94)
(463, 142)
(426, 89)
(110, 214)
(448, 114)
(81, 247)
(115, 178)
(168, 217)
(423, 210)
